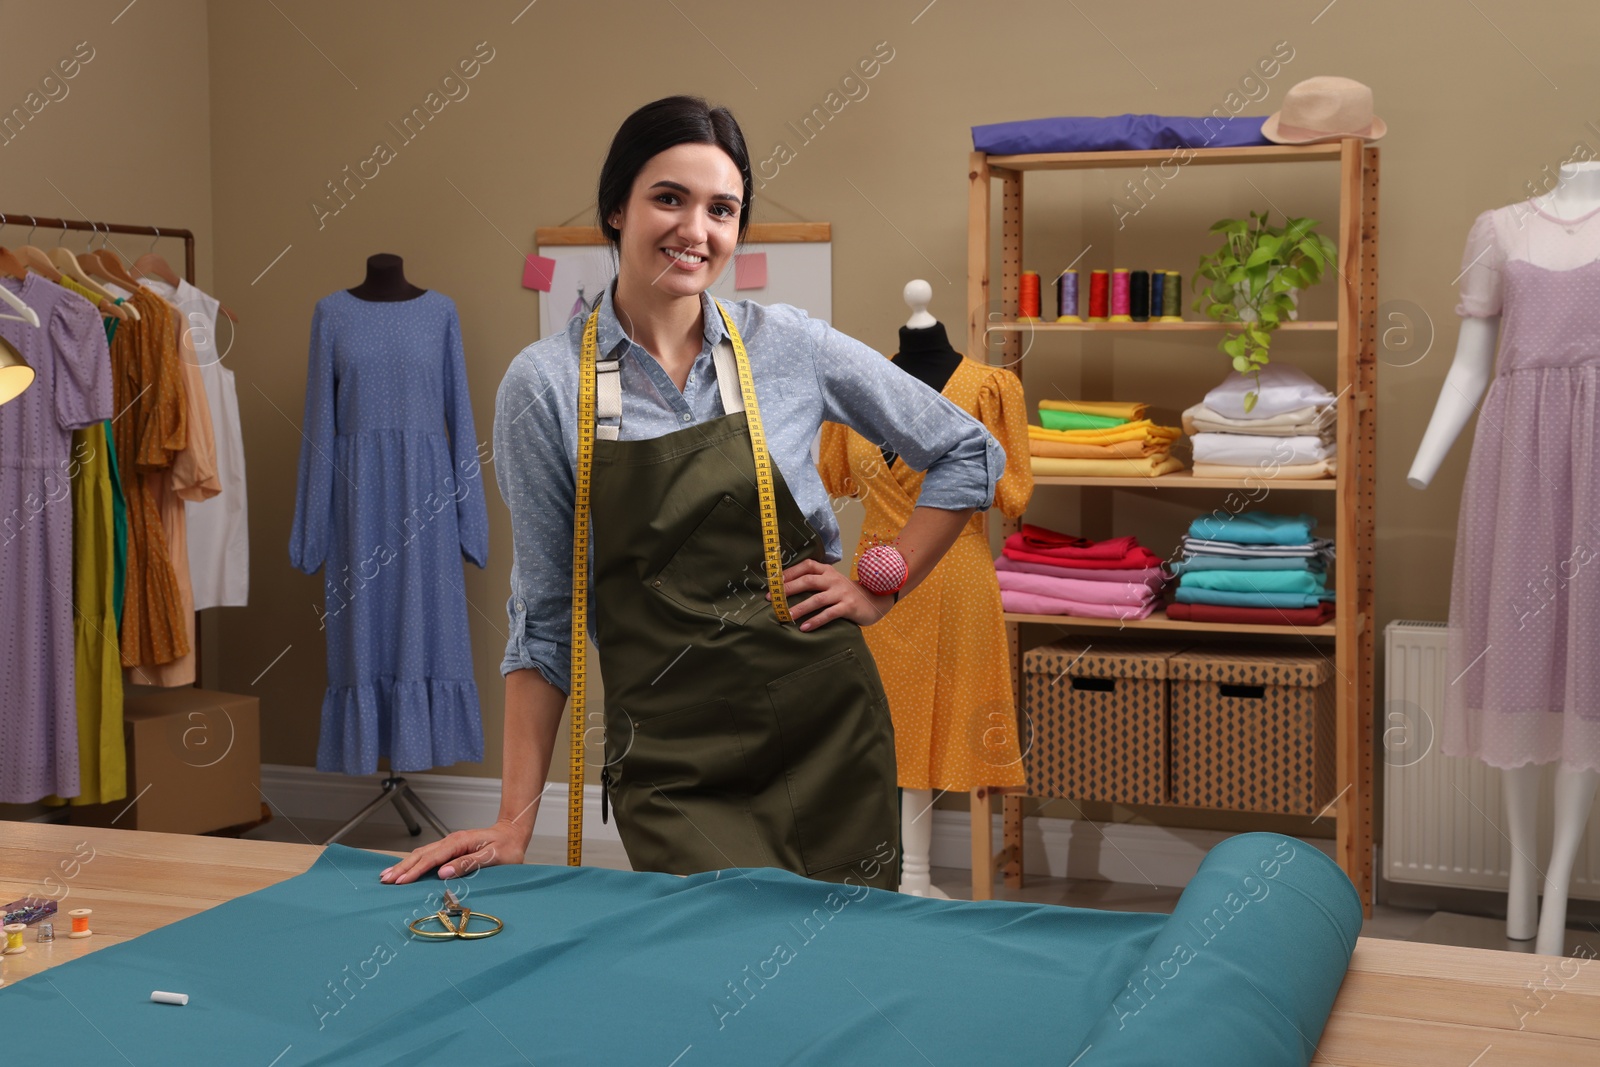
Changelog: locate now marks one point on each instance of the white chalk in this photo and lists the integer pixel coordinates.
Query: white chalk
(158, 997)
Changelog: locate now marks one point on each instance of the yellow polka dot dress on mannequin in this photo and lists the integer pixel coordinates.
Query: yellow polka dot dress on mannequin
(942, 650)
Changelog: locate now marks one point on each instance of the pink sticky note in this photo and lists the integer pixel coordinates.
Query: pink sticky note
(750, 271)
(538, 272)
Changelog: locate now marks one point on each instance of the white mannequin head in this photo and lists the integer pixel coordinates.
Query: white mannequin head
(918, 294)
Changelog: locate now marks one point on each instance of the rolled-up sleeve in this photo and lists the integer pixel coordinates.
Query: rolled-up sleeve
(867, 392)
(535, 476)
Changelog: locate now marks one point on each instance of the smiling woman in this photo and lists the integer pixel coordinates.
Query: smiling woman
(672, 433)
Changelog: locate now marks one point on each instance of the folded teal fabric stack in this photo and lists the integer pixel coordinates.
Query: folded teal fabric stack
(740, 966)
(1254, 559)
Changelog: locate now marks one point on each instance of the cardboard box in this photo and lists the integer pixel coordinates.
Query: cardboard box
(194, 763)
(1253, 730)
(1098, 716)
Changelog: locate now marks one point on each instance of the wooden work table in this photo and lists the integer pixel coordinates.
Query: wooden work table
(1402, 1003)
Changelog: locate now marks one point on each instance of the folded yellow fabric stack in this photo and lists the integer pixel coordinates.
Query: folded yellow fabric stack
(1137, 448)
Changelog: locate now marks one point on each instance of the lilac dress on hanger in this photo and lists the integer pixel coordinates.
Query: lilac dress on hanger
(390, 500)
(1524, 635)
(38, 696)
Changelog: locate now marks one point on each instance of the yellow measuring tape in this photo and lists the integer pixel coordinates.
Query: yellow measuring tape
(580, 545)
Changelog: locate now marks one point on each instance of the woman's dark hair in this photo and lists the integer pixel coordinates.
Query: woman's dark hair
(653, 129)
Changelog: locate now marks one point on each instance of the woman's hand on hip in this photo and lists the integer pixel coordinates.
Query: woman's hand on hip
(462, 853)
(832, 596)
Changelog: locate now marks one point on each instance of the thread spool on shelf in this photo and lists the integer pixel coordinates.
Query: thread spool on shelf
(1139, 295)
(1172, 297)
(14, 932)
(80, 922)
(1067, 297)
(1028, 297)
(1120, 296)
(1099, 301)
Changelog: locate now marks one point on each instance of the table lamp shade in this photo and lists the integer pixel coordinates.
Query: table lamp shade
(15, 374)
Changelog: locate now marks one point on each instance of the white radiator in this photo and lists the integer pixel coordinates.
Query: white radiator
(1442, 815)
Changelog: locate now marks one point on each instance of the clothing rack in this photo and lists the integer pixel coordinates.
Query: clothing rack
(8, 218)
(187, 236)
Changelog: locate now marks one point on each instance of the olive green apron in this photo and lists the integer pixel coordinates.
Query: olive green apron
(732, 740)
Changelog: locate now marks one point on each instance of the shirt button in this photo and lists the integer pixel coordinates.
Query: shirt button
(686, 416)
(519, 605)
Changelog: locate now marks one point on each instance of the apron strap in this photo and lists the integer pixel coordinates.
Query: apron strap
(608, 389)
(608, 398)
(728, 377)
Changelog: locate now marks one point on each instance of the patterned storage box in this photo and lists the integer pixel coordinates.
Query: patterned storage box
(1097, 719)
(1253, 729)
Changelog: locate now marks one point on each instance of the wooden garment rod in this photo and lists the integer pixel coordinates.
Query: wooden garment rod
(177, 233)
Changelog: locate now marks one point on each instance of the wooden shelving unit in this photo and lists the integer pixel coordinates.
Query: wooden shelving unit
(1355, 340)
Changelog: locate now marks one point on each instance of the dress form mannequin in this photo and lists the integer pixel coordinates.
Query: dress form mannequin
(926, 355)
(925, 351)
(1575, 198)
(386, 280)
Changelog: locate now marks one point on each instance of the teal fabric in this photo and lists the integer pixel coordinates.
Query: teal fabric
(1200, 562)
(1258, 581)
(729, 967)
(1187, 594)
(1254, 528)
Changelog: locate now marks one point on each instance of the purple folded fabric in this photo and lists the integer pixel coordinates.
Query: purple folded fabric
(1035, 604)
(1134, 593)
(1117, 133)
(1154, 577)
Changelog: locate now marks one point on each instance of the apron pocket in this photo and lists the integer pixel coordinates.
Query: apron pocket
(839, 749)
(720, 570)
(706, 576)
(682, 792)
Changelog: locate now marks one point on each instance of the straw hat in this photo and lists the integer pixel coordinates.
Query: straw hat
(1324, 109)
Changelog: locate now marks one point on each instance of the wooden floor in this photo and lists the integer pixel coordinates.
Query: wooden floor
(1402, 1003)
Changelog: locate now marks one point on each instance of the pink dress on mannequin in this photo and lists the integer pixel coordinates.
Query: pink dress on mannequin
(1524, 635)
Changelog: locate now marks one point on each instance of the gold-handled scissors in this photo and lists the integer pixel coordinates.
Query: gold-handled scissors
(453, 918)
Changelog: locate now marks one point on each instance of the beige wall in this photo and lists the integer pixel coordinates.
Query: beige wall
(1477, 110)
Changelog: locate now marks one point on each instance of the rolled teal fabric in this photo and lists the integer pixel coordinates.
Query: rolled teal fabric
(751, 966)
(1245, 971)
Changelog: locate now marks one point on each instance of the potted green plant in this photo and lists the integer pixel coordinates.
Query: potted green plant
(1255, 278)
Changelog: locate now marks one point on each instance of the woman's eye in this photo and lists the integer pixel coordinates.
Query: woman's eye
(728, 211)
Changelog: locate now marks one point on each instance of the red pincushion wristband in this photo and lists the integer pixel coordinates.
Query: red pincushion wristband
(882, 570)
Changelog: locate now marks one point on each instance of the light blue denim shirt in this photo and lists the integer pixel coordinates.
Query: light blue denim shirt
(805, 372)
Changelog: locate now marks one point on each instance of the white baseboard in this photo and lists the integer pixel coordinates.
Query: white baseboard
(1113, 852)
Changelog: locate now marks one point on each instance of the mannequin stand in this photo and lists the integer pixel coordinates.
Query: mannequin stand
(916, 836)
(398, 792)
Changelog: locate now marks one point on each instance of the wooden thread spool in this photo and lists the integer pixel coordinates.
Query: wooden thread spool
(14, 943)
(80, 922)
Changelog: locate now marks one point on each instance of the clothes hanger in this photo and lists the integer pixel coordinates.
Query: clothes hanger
(12, 267)
(7, 297)
(154, 263)
(107, 306)
(113, 266)
(35, 259)
(69, 265)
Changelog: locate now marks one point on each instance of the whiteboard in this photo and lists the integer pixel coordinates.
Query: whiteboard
(798, 273)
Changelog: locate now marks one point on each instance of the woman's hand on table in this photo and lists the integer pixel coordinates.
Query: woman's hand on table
(462, 853)
(833, 596)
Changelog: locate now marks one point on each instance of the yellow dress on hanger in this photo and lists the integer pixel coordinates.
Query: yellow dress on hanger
(97, 658)
(942, 652)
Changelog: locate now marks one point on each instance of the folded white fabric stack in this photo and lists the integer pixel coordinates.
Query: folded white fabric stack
(1288, 432)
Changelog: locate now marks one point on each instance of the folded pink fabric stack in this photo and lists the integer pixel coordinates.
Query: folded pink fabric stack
(1042, 572)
